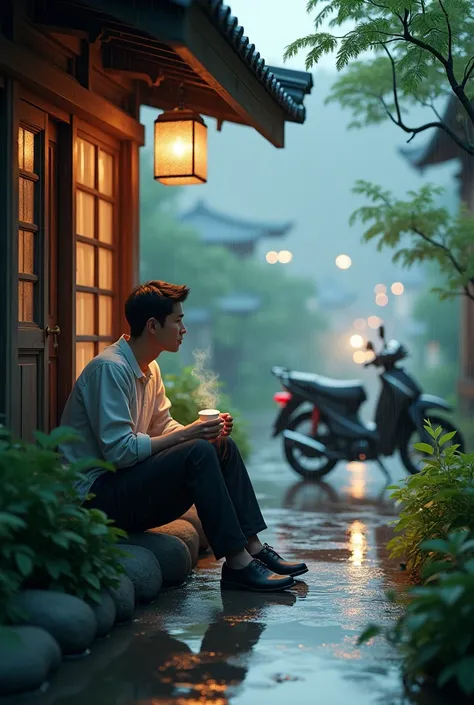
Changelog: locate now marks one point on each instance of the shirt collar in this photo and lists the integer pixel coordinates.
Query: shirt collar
(131, 359)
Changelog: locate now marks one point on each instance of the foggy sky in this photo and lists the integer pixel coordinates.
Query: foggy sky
(310, 180)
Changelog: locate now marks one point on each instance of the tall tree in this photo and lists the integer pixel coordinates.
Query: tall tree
(394, 55)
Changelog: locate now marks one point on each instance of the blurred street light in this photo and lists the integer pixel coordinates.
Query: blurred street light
(343, 261)
(380, 289)
(359, 357)
(374, 322)
(272, 257)
(359, 324)
(397, 288)
(285, 256)
(381, 299)
(356, 341)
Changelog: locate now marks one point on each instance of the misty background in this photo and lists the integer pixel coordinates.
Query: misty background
(309, 183)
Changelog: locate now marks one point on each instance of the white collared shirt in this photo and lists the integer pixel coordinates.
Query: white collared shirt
(116, 409)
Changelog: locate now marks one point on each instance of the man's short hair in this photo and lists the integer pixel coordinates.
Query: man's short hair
(154, 299)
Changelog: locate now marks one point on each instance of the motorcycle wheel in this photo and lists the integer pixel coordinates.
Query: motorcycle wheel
(412, 459)
(311, 467)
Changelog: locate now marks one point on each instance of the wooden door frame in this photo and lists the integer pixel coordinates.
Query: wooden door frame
(9, 252)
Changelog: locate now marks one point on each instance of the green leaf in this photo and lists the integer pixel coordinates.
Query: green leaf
(24, 563)
(369, 632)
(12, 521)
(465, 674)
(424, 447)
(93, 580)
(435, 545)
(447, 437)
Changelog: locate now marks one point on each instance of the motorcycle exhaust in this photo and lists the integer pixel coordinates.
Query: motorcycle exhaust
(305, 443)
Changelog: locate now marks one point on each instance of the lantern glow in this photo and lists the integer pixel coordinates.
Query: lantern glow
(180, 148)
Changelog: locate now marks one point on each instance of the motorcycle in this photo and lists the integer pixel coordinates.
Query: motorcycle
(331, 430)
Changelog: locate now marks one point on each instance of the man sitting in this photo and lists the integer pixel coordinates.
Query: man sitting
(119, 407)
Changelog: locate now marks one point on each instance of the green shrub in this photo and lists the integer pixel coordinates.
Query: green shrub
(181, 389)
(435, 502)
(435, 635)
(47, 539)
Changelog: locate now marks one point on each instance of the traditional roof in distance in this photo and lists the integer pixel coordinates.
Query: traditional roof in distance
(219, 229)
(240, 303)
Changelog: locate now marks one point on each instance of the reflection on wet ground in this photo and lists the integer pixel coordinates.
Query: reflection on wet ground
(198, 646)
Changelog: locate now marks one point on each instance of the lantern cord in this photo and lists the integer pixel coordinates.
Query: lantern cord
(181, 96)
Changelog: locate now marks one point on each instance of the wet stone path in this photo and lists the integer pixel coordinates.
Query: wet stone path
(196, 645)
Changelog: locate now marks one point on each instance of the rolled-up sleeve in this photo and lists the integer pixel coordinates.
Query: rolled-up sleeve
(106, 399)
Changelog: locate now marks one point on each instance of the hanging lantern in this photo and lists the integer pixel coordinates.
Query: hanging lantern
(180, 148)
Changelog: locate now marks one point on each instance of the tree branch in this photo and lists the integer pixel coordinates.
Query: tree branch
(458, 267)
(413, 131)
(467, 72)
(439, 245)
(394, 83)
(448, 65)
(450, 34)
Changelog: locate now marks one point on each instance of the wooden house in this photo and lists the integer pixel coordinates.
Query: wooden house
(73, 75)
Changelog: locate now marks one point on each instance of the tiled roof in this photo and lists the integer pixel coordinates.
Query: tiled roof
(279, 86)
(220, 228)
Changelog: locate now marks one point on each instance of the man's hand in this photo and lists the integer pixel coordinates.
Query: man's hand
(208, 430)
(228, 424)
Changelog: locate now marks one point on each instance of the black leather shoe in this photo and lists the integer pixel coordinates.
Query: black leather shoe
(255, 577)
(269, 557)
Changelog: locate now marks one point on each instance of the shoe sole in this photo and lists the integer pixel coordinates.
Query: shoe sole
(226, 585)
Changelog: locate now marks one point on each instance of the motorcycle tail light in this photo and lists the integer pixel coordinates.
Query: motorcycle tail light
(282, 398)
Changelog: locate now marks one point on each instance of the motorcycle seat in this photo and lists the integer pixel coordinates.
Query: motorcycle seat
(348, 389)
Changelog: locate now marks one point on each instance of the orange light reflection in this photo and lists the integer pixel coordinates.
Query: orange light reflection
(357, 542)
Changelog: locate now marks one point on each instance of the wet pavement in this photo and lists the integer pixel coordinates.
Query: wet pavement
(198, 646)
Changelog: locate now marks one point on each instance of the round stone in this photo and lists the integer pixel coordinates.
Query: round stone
(67, 618)
(28, 657)
(124, 598)
(171, 552)
(105, 614)
(185, 531)
(193, 518)
(143, 569)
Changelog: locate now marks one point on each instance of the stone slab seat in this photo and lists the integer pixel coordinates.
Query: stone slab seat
(193, 517)
(142, 567)
(171, 552)
(66, 617)
(28, 657)
(185, 531)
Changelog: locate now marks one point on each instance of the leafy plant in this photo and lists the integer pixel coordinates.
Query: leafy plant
(47, 539)
(397, 56)
(435, 635)
(181, 391)
(436, 501)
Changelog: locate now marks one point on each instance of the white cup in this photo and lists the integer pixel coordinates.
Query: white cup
(208, 414)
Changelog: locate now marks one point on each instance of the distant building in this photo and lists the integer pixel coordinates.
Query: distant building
(237, 234)
(241, 237)
(441, 148)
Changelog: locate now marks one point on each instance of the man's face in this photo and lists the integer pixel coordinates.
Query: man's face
(170, 336)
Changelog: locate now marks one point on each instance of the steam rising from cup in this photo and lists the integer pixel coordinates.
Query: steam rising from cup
(206, 395)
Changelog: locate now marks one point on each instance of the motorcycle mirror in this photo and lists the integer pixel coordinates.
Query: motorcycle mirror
(370, 346)
(382, 332)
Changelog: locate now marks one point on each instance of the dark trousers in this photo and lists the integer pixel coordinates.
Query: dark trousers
(163, 487)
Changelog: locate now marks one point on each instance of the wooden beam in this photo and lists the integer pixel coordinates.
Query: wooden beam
(193, 36)
(27, 67)
(166, 96)
(212, 58)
